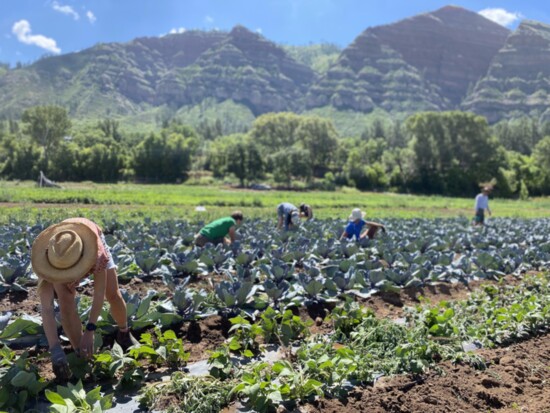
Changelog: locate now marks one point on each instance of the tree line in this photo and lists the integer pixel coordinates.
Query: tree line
(448, 153)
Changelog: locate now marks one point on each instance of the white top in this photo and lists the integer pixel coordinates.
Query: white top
(482, 201)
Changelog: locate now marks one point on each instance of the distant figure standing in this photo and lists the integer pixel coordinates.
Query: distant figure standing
(288, 216)
(482, 204)
(306, 211)
(354, 228)
(216, 232)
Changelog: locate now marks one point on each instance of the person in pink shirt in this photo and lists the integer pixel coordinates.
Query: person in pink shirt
(61, 256)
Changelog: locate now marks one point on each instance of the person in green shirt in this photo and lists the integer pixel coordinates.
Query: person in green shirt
(216, 232)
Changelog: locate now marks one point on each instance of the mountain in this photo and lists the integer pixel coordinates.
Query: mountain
(426, 62)
(174, 70)
(518, 79)
(245, 68)
(447, 59)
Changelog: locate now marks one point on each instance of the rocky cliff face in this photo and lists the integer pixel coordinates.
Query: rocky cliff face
(247, 69)
(370, 74)
(426, 62)
(452, 47)
(518, 80)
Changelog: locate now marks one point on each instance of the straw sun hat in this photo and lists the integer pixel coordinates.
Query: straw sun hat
(64, 252)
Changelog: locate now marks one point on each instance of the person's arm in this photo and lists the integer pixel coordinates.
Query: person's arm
(87, 341)
(280, 223)
(375, 224)
(232, 234)
(345, 235)
(310, 213)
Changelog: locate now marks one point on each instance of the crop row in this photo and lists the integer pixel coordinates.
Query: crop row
(360, 349)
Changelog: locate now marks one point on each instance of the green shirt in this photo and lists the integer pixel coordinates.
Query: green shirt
(218, 228)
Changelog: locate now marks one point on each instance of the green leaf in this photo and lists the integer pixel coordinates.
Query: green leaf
(117, 351)
(25, 324)
(93, 396)
(22, 379)
(170, 335)
(55, 398)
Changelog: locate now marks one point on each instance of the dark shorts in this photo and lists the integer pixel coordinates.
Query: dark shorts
(480, 216)
(201, 240)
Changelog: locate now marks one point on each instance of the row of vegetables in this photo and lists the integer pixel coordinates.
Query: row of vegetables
(360, 349)
(309, 264)
(267, 272)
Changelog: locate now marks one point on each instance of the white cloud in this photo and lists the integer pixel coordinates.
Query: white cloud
(501, 16)
(259, 30)
(91, 16)
(209, 20)
(68, 10)
(177, 30)
(22, 30)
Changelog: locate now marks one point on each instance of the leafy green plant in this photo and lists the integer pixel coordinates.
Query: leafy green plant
(282, 327)
(330, 364)
(19, 381)
(244, 336)
(116, 364)
(74, 399)
(348, 316)
(221, 366)
(266, 386)
(163, 347)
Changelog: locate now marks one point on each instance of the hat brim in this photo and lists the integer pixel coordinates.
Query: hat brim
(352, 218)
(39, 258)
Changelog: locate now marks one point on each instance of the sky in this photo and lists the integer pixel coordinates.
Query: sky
(30, 29)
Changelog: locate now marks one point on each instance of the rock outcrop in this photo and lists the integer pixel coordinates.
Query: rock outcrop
(518, 80)
(426, 62)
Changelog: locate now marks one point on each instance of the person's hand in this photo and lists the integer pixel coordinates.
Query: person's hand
(60, 366)
(87, 344)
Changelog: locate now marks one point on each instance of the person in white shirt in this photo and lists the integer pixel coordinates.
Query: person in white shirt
(482, 204)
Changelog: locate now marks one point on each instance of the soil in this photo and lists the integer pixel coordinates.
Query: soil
(516, 380)
(522, 378)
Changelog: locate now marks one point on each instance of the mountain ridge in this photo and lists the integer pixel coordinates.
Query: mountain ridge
(445, 59)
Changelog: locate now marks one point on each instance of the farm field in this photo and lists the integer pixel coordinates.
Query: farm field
(434, 315)
(25, 201)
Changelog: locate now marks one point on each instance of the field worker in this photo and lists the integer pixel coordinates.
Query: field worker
(288, 216)
(216, 232)
(354, 228)
(306, 211)
(482, 204)
(61, 256)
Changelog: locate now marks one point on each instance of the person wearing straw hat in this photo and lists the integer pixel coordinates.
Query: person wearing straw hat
(482, 204)
(354, 228)
(288, 216)
(61, 256)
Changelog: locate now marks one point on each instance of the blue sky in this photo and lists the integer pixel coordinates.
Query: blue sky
(31, 28)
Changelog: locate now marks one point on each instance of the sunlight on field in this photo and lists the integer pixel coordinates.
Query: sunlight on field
(131, 201)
